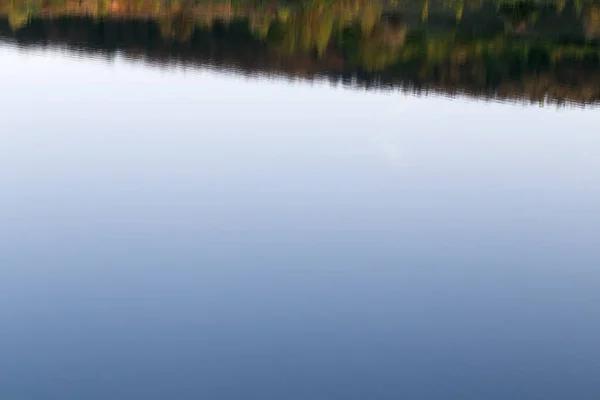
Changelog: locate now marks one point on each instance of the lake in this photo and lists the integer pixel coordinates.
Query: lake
(288, 200)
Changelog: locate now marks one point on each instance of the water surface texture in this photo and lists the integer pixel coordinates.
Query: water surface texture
(322, 200)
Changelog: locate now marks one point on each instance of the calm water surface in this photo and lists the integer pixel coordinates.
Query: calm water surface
(176, 232)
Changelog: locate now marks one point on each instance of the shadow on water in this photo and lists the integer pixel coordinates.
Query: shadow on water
(538, 52)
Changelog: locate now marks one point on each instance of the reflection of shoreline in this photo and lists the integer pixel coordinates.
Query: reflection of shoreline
(347, 82)
(507, 60)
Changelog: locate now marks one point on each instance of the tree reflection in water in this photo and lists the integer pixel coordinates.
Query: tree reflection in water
(522, 51)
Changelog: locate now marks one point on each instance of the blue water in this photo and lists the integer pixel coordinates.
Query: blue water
(167, 233)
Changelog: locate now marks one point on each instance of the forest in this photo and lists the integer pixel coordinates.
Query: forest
(535, 51)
